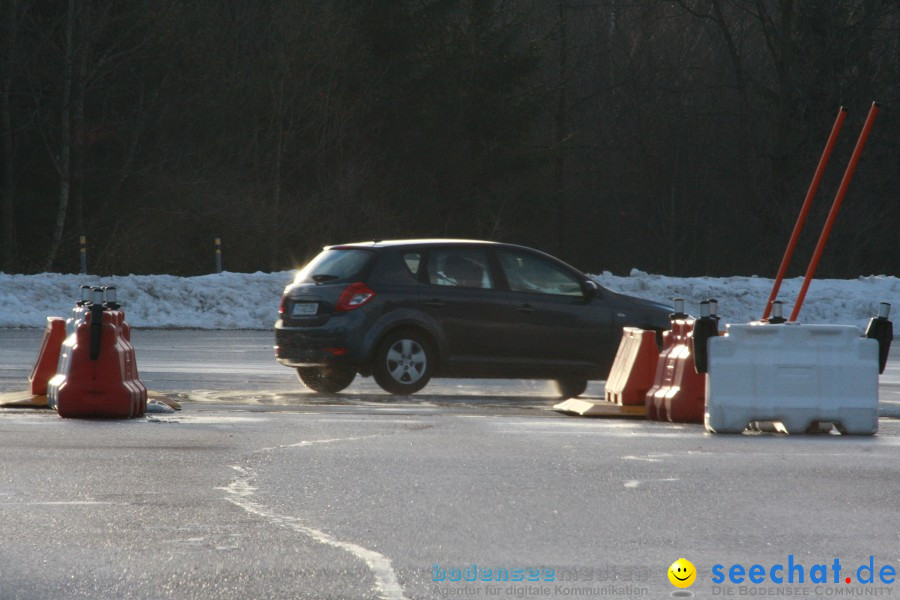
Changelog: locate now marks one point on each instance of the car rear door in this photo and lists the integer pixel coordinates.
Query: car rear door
(459, 293)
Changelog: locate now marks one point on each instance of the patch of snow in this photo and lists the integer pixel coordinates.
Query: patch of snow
(250, 300)
(742, 299)
(218, 301)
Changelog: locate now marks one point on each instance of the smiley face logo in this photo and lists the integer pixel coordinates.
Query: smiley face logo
(682, 573)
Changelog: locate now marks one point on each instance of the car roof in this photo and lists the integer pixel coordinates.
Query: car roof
(413, 242)
(437, 242)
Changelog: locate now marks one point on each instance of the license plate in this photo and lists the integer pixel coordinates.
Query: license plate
(305, 309)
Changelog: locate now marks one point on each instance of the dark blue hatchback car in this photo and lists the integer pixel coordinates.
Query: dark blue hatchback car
(406, 311)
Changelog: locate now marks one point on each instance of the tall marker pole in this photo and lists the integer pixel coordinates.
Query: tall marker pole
(835, 207)
(804, 211)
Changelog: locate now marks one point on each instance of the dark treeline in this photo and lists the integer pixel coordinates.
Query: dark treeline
(673, 136)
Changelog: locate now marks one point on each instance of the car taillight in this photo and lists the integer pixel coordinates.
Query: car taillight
(353, 297)
(281, 306)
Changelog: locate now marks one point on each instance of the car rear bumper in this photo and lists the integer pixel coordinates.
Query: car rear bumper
(311, 347)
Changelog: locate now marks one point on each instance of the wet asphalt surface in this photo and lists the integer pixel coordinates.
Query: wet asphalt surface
(259, 489)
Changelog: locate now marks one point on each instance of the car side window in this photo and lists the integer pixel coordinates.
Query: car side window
(529, 273)
(459, 267)
(413, 260)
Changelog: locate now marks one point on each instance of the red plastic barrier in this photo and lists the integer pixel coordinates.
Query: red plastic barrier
(108, 386)
(632, 372)
(48, 356)
(658, 375)
(678, 393)
(129, 366)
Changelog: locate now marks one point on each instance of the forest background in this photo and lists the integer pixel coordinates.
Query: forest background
(677, 137)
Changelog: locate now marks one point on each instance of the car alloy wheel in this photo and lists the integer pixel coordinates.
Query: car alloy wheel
(403, 363)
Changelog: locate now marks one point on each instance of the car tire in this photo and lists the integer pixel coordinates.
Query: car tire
(570, 388)
(326, 380)
(403, 363)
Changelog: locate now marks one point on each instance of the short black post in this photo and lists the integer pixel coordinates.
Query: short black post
(109, 298)
(714, 311)
(881, 329)
(777, 314)
(704, 328)
(85, 296)
(96, 308)
(678, 305)
(83, 243)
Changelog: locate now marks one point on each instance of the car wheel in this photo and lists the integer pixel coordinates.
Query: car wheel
(570, 388)
(403, 363)
(326, 380)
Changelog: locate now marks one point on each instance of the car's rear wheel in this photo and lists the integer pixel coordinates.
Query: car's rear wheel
(570, 388)
(326, 380)
(403, 363)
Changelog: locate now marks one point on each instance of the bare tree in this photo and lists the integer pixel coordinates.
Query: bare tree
(12, 21)
(64, 149)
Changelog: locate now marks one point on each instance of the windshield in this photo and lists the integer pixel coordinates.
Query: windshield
(334, 264)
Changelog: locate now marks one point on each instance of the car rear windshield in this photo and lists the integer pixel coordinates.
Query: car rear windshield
(335, 264)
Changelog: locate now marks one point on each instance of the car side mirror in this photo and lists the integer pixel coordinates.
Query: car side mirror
(590, 289)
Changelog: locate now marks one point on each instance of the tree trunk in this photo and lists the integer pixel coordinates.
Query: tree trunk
(8, 249)
(783, 65)
(559, 174)
(278, 129)
(78, 116)
(65, 139)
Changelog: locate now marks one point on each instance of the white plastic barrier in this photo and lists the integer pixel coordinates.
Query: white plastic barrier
(794, 374)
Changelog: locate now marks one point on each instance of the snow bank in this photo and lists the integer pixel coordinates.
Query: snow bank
(250, 300)
(219, 301)
(742, 299)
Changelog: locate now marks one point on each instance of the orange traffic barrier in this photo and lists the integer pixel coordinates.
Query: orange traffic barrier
(48, 356)
(140, 391)
(658, 375)
(634, 367)
(678, 393)
(99, 376)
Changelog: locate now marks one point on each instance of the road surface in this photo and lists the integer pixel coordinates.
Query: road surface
(258, 489)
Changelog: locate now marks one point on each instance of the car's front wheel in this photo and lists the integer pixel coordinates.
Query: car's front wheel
(326, 380)
(570, 388)
(403, 363)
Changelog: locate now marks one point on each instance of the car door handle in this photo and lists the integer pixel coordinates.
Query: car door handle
(525, 308)
(435, 303)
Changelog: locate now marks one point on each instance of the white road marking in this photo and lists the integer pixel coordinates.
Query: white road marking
(59, 503)
(606, 433)
(214, 420)
(372, 420)
(635, 483)
(305, 443)
(240, 493)
(648, 458)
